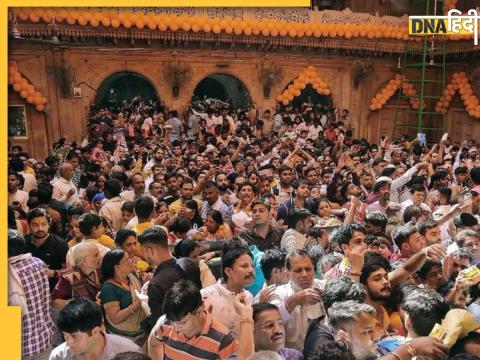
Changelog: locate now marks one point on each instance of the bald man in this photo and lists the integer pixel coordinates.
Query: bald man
(63, 188)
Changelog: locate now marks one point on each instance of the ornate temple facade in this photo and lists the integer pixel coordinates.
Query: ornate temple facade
(67, 54)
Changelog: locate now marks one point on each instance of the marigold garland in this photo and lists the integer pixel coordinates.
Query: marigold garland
(460, 84)
(389, 90)
(306, 76)
(26, 90)
(228, 25)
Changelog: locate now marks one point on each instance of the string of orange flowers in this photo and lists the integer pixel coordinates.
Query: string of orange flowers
(461, 84)
(228, 25)
(26, 90)
(392, 86)
(306, 76)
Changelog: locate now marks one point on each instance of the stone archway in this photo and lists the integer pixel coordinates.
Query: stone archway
(224, 87)
(124, 85)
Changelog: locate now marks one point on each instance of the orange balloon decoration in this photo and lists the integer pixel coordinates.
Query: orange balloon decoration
(306, 76)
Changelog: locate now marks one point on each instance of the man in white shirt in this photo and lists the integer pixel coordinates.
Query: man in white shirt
(18, 165)
(63, 188)
(299, 223)
(418, 195)
(16, 197)
(314, 129)
(137, 183)
(237, 273)
(400, 181)
(158, 155)
(300, 300)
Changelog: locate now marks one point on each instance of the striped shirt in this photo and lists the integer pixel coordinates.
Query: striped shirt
(214, 342)
(37, 326)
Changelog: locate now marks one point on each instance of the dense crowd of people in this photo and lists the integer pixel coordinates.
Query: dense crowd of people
(228, 234)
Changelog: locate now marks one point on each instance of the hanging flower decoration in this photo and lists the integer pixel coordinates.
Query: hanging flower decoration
(227, 25)
(461, 85)
(307, 76)
(26, 90)
(398, 82)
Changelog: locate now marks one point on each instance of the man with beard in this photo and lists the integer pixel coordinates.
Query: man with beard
(186, 193)
(382, 189)
(263, 234)
(374, 277)
(158, 155)
(227, 196)
(284, 190)
(16, 197)
(354, 323)
(366, 184)
(300, 300)
(269, 332)
(171, 195)
(430, 230)
(192, 168)
(299, 224)
(44, 245)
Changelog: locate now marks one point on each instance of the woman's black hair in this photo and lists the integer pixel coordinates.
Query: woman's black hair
(109, 261)
(122, 236)
(216, 216)
(184, 248)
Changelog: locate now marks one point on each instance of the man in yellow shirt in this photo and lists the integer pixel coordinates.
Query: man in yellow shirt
(186, 193)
